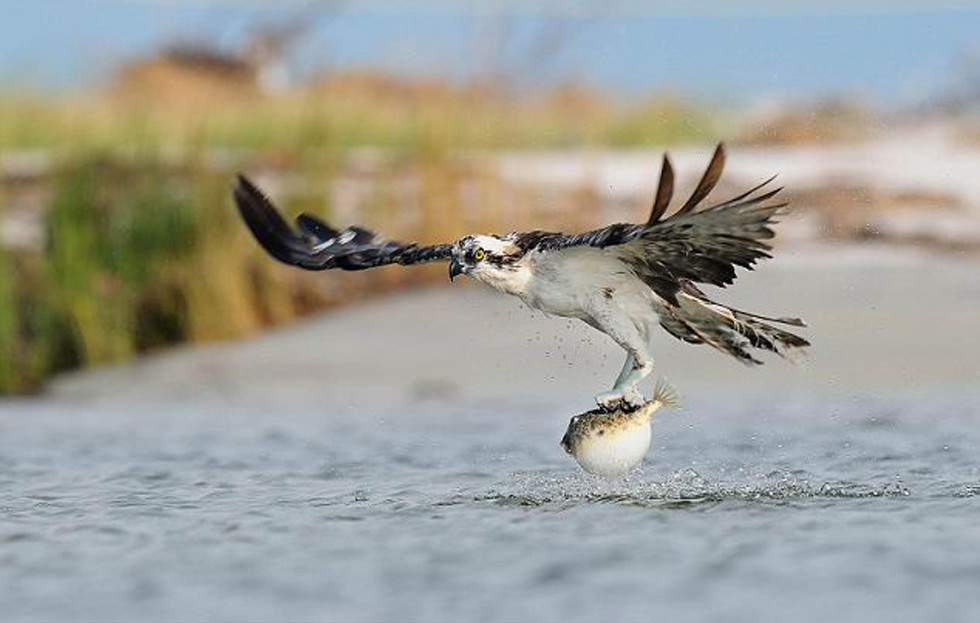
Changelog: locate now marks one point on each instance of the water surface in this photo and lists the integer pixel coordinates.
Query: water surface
(792, 508)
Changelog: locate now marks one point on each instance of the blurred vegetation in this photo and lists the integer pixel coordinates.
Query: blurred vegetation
(136, 257)
(353, 111)
(142, 247)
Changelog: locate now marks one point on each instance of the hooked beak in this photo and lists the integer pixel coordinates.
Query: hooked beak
(455, 268)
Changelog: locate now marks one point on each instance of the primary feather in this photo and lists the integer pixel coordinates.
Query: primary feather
(319, 246)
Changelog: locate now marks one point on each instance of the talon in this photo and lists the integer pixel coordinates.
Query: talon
(633, 399)
(610, 401)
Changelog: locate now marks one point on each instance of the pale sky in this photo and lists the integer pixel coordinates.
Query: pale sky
(891, 52)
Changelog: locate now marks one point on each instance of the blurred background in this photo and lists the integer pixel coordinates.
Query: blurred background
(191, 430)
(123, 122)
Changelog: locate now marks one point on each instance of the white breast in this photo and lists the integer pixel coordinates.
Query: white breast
(568, 282)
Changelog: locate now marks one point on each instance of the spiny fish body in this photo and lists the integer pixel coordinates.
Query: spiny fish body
(611, 443)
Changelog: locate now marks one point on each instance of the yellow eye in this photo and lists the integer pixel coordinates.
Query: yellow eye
(479, 255)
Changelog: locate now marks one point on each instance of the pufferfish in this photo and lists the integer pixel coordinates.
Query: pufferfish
(611, 443)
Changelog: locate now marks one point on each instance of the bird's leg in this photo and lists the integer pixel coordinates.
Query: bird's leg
(627, 368)
(608, 401)
(638, 365)
(642, 366)
(622, 394)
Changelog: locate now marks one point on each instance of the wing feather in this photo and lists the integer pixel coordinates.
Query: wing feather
(708, 181)
(317, 245)
(314, 228)
(696, 244)
(665, 189)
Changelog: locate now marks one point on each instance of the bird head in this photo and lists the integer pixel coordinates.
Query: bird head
(486, 258)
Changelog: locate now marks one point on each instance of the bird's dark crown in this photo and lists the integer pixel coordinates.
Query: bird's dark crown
(489, 248)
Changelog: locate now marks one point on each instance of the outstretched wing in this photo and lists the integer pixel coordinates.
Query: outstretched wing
(697, 243)
(318, 246)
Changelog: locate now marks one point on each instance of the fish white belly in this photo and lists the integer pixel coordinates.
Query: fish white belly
(615, 452)
(611, 443)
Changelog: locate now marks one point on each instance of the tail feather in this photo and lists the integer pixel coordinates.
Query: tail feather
(735, 332)
(793, 322)
(787, 345)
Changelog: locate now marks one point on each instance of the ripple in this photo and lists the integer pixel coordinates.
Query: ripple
(20, 537)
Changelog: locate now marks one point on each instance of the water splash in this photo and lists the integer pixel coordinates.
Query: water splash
(682, 488)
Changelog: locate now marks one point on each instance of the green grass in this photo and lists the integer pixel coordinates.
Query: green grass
(112, 236)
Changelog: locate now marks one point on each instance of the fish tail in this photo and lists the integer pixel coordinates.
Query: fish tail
(665, 394)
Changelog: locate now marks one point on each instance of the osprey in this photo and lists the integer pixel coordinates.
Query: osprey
(623, 279)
